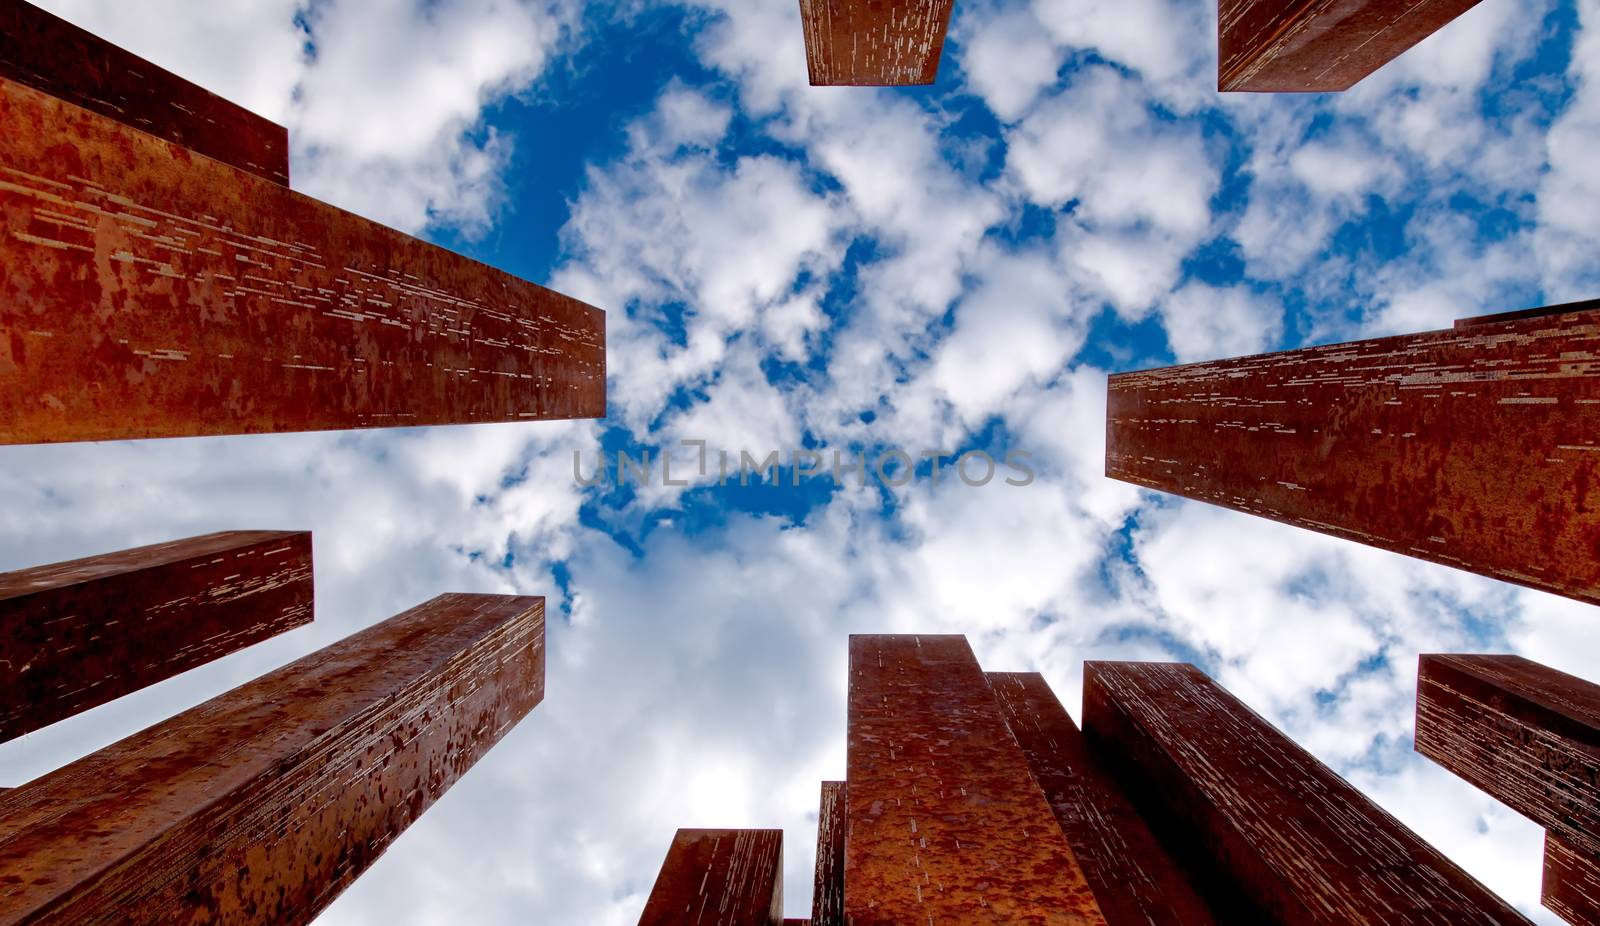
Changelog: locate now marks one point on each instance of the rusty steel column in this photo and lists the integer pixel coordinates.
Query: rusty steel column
(944, 821)
(1477, 448)
(1571, 882)
(1319, 45)
(1133, 877)
(50, 54)
(874, 43)
(262, 805)
(78, 634)
(145, 292)
(719, 878)
(827, 893)
(1295, 842)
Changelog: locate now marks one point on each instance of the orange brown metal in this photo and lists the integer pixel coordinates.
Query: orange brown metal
(719, 878)
(1526, 734)
(1476, 448)
(50, 54)
(146, 292)
(827, 894)
(78, 634)
(1319, 45)
(261, 805)
(1571, 886)
(874, 43)
(1293, 842)
(1136, 882)
(945, 823)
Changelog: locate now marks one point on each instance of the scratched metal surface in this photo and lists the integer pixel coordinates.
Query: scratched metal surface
(945, 824)
(1477, 448)
(719, 878)
(874, 43)
(1136, 882)
(78, 634)
(827, 893)
(1280, 828)
(1524, 733)
(1319, 45)
(50, 54)
(1571, 885)
(261, 805)
(146, 292)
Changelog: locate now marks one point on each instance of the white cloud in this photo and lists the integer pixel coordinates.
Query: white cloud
(1210, 323)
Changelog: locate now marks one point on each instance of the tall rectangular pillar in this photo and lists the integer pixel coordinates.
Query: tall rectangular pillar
(827, 893)
(945, 823)
(1319, 45)
(261, 805)
(719, 878)
(78, 634)
(1571, 887)
(1135, 880)
(145, 292)
(1294, 841)
(1477, 447)
(874, 43)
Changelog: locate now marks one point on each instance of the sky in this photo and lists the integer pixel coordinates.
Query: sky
(953, 268)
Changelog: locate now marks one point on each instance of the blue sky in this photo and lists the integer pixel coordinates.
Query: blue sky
(953, 268)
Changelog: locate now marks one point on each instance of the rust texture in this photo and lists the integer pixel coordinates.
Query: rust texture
(1526, 734)
(827, 893)
(1588, 305)
(719, 878)
(1133, 877)
(1295, 841)
(261, 805)
(945, 823)
(1571, 882)
(1319, 45)
(1478, 448)
(50, 54)
(874, 43)
(145, 292)
(75, 635)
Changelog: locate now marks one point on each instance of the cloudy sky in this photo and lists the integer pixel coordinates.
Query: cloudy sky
(954, 268)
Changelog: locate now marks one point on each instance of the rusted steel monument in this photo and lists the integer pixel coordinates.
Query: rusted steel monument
(874, 43)
(974, 798)
(158, 279)
(1477, 447)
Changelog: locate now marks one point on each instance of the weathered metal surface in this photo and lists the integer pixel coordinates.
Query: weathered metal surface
(1571, 882)
(1294, 841)
(145, 292)
(1524, 733)
(75, 635)
(874, 43)
(1478, 448)
(945, 823)
(827, 893)
(1136, 882)
(50, 54)
(1319, 45)
(261, 805)
(1588, 305)
(719, 878)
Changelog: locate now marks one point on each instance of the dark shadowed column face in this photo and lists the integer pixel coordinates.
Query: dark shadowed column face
(79, 634)
(827, 894)
(944, 822)
(719, 878)
(1477, 448)
(874, 43)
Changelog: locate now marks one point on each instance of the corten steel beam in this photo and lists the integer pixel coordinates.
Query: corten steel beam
(945, 823)
(719, 878)
(1571, 882)
(50, 54)
(1319, 45)
(145, 292)
(1477, 448)
(1133, 877)
(1524, 733)
(874, 43)
(262, 805)
(827, 894)
(78, 634)
(1294, 842)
